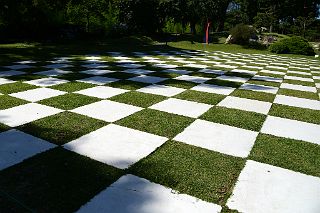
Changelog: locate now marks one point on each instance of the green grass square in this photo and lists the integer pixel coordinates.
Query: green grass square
(265, 83)
(235, 117)
(295, 113)
(9, 102)
(201, 97)
(138, 99)
(15, 87)
(260, 96)
(3, 127)
(270, 75)
(63, 127)
(204, 75)
(224, 83)
(69, 101)
(128, 85)
(239, 74)
(157, 122)
(57, 181)
(298, 94)
(72, 86)
(303, 83)
(178, 83)
(287, 153)
(191, 170)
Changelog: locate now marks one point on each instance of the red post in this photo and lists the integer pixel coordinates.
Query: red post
(207, 32)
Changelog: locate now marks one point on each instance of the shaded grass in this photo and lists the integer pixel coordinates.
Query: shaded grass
(224, 83)
(198, 172)
(201, 97)
(128, 85)
(63, 127)
(157, 122)
(178, 83)
(291, 154)
(3, 127)
(234, 117)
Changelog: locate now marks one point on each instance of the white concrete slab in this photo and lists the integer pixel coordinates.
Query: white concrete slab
(210, 71)
(38, 94)
(246, 104)
(260, 88)
(131, 194)
(147, 79)
(162, 90)
(95, 66)
(102, 92)
(166, 66)
(106, 110)
(297, 102)
(97, 72)
(182, 107)
(18, 66)
(6, 81)
(233, 78)
(27, 113)
(300, 73)
(298, 87)
(16, 146)
(98, 80)
(54, 72)
(11, 73)
(138, 71)
(218, 137)
(176, 71)
(267, 78)
(298, 78)
(195, 79)
(262, 188)
(46, 82)
(273, 72)
(116, 145)
(287, 128)
(57, 66)
(210, 88)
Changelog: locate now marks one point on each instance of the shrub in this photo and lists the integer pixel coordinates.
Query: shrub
(242, 33)
(294, 45)
(256, 45)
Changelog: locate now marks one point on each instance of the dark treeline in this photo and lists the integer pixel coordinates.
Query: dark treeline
(52, 19)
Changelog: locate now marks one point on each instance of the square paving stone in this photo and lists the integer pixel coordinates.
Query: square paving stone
(177, 71)
(18, 66)
(95, 66)
(265, 188)
(147, 79)
(298, 87)
(130, 192)
(38, 94)
(259, 88)
(161, 90)
(46, 82)
(131, 66)
(267, 78)
(246, 104)
(97, 72)
(11, 73)
(98, 80)
(210, 88)
(26, 113)
(54, 72)
(292, 129)
(287, 77)
(4, 81)
(297, 102)
(217, 137)
(233, 78)
(138, 71)
(194, 79)
(102, 92)
(182, 107)
(115, 145)
(57, 66)
(16, 146)
(49, 173)
(62, 128)
(106, 110)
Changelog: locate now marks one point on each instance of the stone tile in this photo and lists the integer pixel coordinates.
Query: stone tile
(298, 78)
(287, 128)
(131, 194)
(233, 78)
(182, 107)
(218, 137)
(106, 110)
(54, 72)
(260, 88)
(297, 102)
(95, 66)
(46, 82)
(18, 66)
(246, 104)
(298, 87)
(216, 72)
(102, 92)
(97, 72)
(138, 71)
(195, 79)
(162, 90)
(165, 66)
(176, 71)
(16, 146)
(262, 188)
(38, 94)
(5, 81)
(210, 88)
(27, 113)
(147, 79)
(57, 66)
(267, 78)
(116, 145)
(98, 80)
(11, 73)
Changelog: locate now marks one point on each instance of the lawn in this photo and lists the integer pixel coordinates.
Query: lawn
(129, 124)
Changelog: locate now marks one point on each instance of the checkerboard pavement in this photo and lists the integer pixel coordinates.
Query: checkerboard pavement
(187, 131)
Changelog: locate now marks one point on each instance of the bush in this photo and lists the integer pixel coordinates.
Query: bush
(294, 45)
(256, 45)
(242, 33)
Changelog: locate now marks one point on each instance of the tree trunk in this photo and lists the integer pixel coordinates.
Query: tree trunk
(193, 28)
(88, 23)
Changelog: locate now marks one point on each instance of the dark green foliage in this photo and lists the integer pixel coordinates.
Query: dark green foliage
(294, 45)
(242, 33)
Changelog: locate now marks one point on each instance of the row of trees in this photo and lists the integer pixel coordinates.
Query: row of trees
(45, 18)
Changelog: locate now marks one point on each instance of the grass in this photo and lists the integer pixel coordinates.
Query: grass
(3, 127)
(69, 101)
(260, 96)
(138, 99)
(63, 127)
(298, 94)
(164, 75)
(72, 86)
(157, 122)
(7, 102)
(224, 83)
(198, 172)
(303, 83)
(295, 113)
(201, 97)
(265, 83)
(15, 87)
(234, 117)
(57, 181)
(128, 85)
(287, 153)
(178, 83)
(26, 77)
